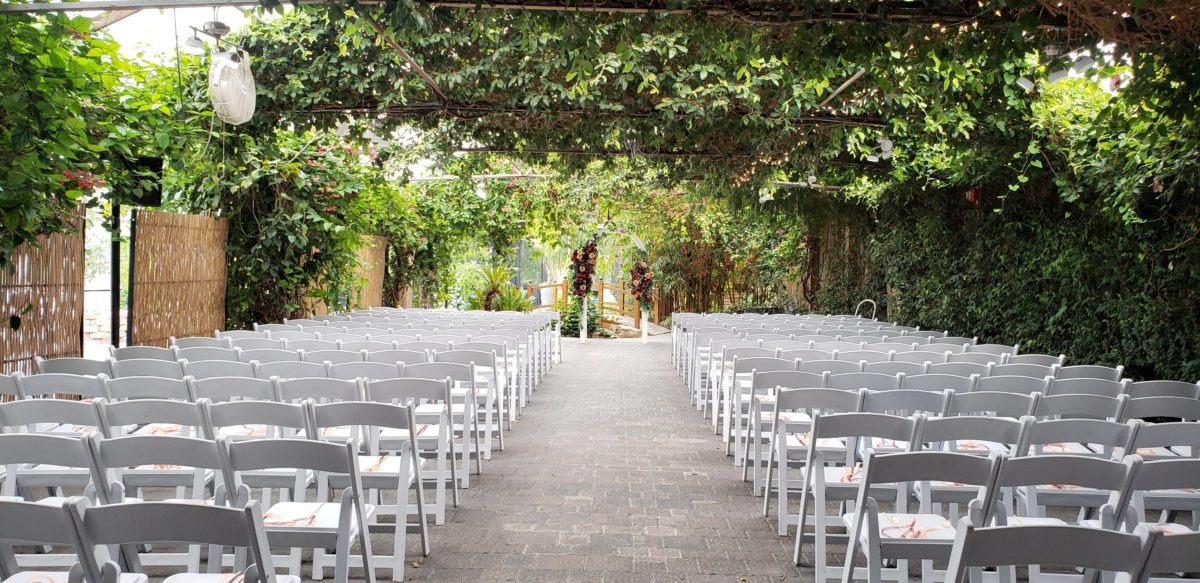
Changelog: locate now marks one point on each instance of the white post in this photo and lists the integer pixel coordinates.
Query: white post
(645, 327)
(583, 319)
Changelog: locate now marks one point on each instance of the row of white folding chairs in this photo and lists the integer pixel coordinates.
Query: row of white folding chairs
(759, 426)
(359, 461)
(92, 531)
(979, 486)
(712, 385)
(488, 412)
(266, 362)
(850, 435)
(256, 407)
(706, 346)
(1007, 396)
(538, 339)
(515, 354)
(1150, 553)
(913, 361)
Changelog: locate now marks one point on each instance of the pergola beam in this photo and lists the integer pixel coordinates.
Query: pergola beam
(603, 153)
(412, 63)
(111, 17)
(894, 11)
(477, 110)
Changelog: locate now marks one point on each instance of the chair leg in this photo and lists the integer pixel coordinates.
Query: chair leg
(478, 451)
(766, 510)
(487, 430)
(781, 513)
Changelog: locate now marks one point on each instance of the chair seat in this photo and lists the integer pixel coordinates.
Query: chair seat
(423, 431)
(1168, 528)
(899, 527)
(884, 445)
(222, 578)
(383, 464)
(309, 517)
(977, 446)
(1035, 521)
(63, 577)
(439, 408)
(1157, 453)
(236, 431)
(159, 429)
(800, 440)
(786, 416)
(840, 476)
(1063, 448)
(164, 475)
(41, 475)
(58, 501)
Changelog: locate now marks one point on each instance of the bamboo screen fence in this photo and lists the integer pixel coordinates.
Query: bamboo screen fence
(372, 265)
(44, 286)
(372, 258)
(179, 274)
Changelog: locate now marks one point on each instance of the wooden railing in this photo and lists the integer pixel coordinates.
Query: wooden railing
(623, 304)
(558, 293)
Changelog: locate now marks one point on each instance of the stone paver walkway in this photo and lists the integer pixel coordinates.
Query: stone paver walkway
(610, 476)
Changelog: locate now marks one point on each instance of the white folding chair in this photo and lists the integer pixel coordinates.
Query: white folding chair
(364, 370)
(147, 388)
(834, 478)
(198, 342)
(462, 377)
(289, 370)
(268, 355)
(71, 366)
(494, 393)
(33, 524)
(298, 524)
(790, 439)
(438, 415)
(762, 417)
(208, 369)
(130, 465)
(319, 389)
(1172, 553)
(901, 536)
(330, 357)
(256, 343)
(734, 396)
(1059, 545)
(44, 461)
(131, 526)
(132, 352)
(1091, 371)
(402, 356)
(198, 354)
(1038, 359)
(147, 367)
(367, 345)
(381, 469)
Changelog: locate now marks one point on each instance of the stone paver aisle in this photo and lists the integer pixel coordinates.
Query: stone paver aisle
(610, 476)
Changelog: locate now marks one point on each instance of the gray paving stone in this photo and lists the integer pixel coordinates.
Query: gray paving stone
(609, 476)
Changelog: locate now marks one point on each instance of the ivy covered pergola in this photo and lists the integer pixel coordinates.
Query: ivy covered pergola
(916, 152)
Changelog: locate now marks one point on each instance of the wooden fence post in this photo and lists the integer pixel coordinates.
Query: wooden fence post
(600, 298)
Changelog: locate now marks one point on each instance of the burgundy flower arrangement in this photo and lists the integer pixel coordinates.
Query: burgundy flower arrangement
(641, 280)
(583, 267)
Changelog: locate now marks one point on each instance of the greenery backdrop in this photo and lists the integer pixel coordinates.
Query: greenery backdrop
(670, 134)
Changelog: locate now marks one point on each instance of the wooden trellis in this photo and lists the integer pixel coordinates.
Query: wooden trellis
(44, 287)
(368, 292)
(372, 264)
(179, 276)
